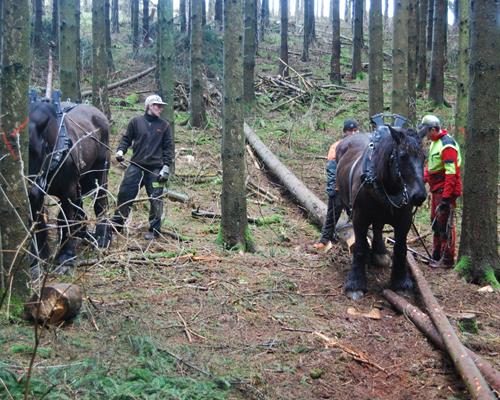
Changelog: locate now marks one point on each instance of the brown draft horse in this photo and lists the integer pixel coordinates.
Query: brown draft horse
(68, 158)
(380, 178)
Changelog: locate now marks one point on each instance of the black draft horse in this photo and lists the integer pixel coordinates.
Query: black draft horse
(68, 158)
(380, 178)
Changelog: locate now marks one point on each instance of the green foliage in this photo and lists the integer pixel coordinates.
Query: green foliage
(463, 267)
(490, 278)
(132, 98)
(269, 220)
(469, 326)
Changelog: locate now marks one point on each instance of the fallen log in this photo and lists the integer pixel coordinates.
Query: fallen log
(470, 374)
(424, 323)
(58, 302)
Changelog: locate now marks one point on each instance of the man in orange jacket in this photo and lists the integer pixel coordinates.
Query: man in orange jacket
(442, 173)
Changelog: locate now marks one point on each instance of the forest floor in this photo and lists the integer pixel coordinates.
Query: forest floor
(189, 320)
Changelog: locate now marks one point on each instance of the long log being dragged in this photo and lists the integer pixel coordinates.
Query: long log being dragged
(470, 374)
(424, 323)
(314, 206)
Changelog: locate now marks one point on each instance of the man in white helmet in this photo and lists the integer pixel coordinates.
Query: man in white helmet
(442, 173)
(151, 139)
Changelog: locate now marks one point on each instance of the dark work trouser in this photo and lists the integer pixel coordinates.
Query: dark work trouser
(134, 179)
(332, 216)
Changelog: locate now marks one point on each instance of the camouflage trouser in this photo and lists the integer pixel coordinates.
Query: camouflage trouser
(332, 216)
(134, 179)
(444, 229)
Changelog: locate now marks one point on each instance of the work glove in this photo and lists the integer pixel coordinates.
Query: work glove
(119, 156)
(163, 174)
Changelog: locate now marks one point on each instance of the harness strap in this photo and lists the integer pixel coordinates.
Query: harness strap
(351, 172)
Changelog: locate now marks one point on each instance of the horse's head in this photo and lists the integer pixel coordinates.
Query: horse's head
(43, 133)
(407, 163)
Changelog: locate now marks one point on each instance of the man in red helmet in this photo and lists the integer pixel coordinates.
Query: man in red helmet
(442, 173)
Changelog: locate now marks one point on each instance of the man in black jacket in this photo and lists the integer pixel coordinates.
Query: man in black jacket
(151, 141)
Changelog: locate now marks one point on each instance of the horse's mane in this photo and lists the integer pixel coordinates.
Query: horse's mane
(43, 106)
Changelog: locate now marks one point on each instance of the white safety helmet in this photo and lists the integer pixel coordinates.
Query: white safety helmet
(431, 121)
(153, 99)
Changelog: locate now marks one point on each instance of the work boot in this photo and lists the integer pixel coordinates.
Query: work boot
(443, 262)
(150, 235)
(324, 247)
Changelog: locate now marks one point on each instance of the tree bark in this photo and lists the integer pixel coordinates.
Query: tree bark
(479, 240)
(134, 19)
(234, 224)
(462, 70)
(198, 116)
(264, 18)
(249, 48)
(386, 14)
(78, 47)
(436, 81)
(182, 15)
(14, 205)
(400, 58)
(99, 58)
(107, 24)
(357, 41)
(55, 24)
(422, 45)
(166, 55)
(283, 69)
(376, 60)
(203, 13)
(335, 75)
(218, 12)
(430, 23)
(145, 21)
(308, 28)
(412, 59)
(347, 11)
(37, 26)
(68, 51)
(115, 17)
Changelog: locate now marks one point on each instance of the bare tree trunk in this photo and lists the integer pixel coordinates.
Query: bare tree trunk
(197, 105)
(234, 224)
(218, 12)
(297, 10)
(479, 240)
(347, 11)
(182, 14)
(386, 14)
(430, 23)
(412, 59)
(145, 22)
(376, 59)
(69, 47)
(249, 48)
(166, 55)
(308, 28)
(400, 58)
(107, 24)
(14, 205)
(99, 58)
(282, 69)
(134, 18)
(264, 18)
(203, 13)
(335, 75)
(115, 21)
(422, 45)
(462, 71)
(357, 41)
(37, 25)
(436, 82)
(55, 24)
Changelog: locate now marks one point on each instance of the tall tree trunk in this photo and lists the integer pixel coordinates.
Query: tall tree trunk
(347, 11)
(430, 23)
(218, 12)
(436, 81)
(134, 19)
(145, 22)
(479, 240)
(264, 18)
(99, 58)
(297, 10)
(37, 26)
(198, 116)
(166, 55)
(335, 75)
(445, 35)
(282, 69)
(422, 45)
(14, 205)
(78, 48)
(462, 71)
(307, 33)
(107, 24)
(376, 59)
(312, 22)
(68, 49)
(357, 41)
(115, 17)
(55, 24)
(400, 58)
(249, 48)
(203, 13)
(412, 58)
(386, 14)
(234, 224)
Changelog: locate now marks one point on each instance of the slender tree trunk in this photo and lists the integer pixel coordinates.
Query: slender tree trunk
(99, 58)
(78, 47)
(335, 75)
(456, 12)
(462, 71)
(145, 22)
(249, 49)
(218, 12)
(55, 24)
(107, 25)
(198, 117)
(357, 41)
(386, 14)
(412, 58)
(14, 205)
(347, 11)
(297, 10)
(312, 22)
(37, 26)
(166, 55)
(445, 34)
(422, 54)
(203, 13)
(308, 28)
(115, 15)
(400, 58)
(68, 51)
(430, 23)
(376, 59)
(234, 224)
(479, 240)
(282, 69)
(264, 18)
(436, 82)
(134, 18)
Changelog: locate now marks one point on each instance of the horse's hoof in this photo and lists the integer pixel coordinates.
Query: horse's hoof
(381, 260)
(405, 285)
(355, 294)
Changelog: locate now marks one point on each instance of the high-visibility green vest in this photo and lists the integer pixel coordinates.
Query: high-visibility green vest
(435, 162)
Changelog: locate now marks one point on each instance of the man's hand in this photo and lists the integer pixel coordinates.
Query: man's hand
(163, 174)
(119, 156)
(444, 204)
